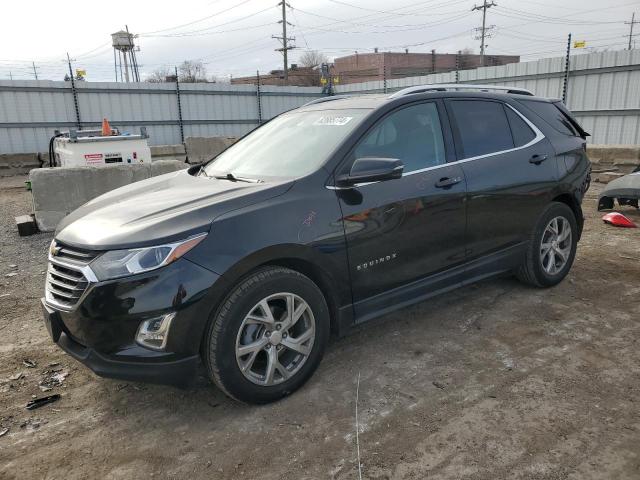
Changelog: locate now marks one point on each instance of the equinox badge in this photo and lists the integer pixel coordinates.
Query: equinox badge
(377, 261)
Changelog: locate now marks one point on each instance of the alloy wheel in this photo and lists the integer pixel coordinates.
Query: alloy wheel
(556, 245)
(275, 339)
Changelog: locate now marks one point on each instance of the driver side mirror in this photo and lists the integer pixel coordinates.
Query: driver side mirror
(371, 169)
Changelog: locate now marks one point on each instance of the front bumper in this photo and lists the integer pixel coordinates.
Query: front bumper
(100, 332)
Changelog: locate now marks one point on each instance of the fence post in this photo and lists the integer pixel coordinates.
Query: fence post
(76, 105)
(458, 66)
(384, 76)
(433, 60)
(258, 97)
(565, 86)
(179, 107)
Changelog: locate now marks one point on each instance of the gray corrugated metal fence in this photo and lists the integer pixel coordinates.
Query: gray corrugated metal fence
(604, 93)
(30, 111)
(604, 89)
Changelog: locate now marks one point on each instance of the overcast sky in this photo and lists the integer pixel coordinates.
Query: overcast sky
(233, 37)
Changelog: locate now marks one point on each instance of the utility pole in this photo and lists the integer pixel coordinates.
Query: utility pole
(286, 46)
(35, 73)
(484, 28)
(631, 24)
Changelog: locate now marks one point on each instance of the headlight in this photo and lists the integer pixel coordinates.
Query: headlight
(120, 263)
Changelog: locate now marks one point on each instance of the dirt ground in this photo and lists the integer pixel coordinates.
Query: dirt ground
(495, 381)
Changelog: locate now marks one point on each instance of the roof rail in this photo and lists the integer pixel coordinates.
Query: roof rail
(446, 87)
(326, 99)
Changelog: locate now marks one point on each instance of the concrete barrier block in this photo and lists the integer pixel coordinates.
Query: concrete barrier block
(167, 150)
(59, 191)
(17, 163)
(48, 221)
(160, 167)
(201, 149)
(614, 154)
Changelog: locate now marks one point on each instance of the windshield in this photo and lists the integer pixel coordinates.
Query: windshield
(291, 145)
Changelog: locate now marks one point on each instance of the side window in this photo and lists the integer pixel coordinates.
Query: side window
(522, 133)
(552, 115)
(483, 127)
(412, 134)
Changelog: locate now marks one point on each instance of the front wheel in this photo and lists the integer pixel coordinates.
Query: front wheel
(268, 337)
(552, 247)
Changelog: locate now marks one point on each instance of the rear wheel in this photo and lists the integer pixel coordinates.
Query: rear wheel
(552, 247)
(268, 337)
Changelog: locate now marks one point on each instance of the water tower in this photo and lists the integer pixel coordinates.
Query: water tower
(124, 55)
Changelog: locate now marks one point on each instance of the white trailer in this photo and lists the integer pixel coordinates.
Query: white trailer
(90, 148)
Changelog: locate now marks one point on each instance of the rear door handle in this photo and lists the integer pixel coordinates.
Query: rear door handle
(537, 159)
(447, 182)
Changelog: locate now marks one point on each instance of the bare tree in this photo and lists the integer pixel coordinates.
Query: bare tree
(192, 71)
(159, 75)
(312, 58)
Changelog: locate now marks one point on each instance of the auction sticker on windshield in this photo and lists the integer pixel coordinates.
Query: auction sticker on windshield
(333, 121)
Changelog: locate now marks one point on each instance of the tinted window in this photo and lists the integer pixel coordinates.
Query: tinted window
(522, 133)
(412, 135)
(483, 127)
(552, 115)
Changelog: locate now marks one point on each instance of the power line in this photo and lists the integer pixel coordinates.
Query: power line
(201, 31)
(409, 28)
(360, 24)
(388, 12)
(202, 19)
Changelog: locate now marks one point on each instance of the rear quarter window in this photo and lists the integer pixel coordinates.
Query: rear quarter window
(552, 115)
(522, 133)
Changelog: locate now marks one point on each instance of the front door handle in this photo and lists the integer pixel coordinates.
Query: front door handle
(447, 182)
(537, 159)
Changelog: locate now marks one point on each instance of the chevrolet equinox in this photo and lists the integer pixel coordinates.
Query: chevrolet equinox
(323, 218)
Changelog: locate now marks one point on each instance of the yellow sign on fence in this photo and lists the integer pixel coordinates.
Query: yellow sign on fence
(579, 44)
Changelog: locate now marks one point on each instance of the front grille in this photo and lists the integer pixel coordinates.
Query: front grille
(66, 276)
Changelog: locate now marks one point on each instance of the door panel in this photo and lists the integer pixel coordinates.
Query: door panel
(506, 190)
(506, 196)
(401, 230)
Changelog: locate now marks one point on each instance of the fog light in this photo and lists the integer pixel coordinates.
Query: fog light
(153, 333)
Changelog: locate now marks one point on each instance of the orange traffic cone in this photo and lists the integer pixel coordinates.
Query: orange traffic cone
(106, 128)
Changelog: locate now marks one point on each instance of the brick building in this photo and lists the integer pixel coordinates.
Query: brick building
(298, 76)
(363, 67)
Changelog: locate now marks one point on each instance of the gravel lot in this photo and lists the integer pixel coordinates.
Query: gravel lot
(496, 381)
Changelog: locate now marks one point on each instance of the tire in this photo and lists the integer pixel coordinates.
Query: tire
(282, 353)
(537, 269)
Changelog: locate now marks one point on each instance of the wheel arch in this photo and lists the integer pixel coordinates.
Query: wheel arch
(302, 259)
(573, 203)
(318, 276)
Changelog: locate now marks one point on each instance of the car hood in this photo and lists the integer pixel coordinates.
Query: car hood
(158, 210)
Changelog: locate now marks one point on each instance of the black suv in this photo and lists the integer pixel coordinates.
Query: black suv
(321, 219)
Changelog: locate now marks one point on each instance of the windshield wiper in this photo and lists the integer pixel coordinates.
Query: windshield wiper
(231, 177)
(202, 171)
